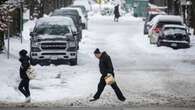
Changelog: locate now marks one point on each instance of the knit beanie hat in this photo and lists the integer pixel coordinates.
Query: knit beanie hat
(97, 51)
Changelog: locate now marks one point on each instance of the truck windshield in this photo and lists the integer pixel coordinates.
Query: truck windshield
(52, 30)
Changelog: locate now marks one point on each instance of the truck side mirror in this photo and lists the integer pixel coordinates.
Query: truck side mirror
(75, 33)
(33, 34)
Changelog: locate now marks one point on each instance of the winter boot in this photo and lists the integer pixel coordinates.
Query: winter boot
(28, 99)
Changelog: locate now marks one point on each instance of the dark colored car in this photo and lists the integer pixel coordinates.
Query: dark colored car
(75, 17)
(83, 10)
(149, 17)
(175, 36)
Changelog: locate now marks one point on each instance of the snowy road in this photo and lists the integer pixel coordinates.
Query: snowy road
(84, 108)
(147, 75)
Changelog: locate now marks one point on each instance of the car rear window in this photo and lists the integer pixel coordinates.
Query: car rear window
(161, 24)
(174, 30)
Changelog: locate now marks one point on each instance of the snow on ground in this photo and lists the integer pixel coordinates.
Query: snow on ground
(146, 74)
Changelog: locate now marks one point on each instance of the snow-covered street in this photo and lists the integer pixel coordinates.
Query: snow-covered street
(146, 74)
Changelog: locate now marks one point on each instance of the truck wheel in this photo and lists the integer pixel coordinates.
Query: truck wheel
(188, 46)
(73, 62)
(158, 44)
(33, 62)
(78, 48)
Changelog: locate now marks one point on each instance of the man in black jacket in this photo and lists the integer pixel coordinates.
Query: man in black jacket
(24, 84)
(116, 13)
(105, 65)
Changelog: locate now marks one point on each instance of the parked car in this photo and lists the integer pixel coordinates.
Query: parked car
(149, 17)
(158, 22)
(53, 41)
(74, 16)
(83, 10)
(83, 19)
(85, 3)
(175, 36)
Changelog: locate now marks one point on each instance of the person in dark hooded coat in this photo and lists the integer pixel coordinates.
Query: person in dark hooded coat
(105, 65)
(116, 13)
(24, 84)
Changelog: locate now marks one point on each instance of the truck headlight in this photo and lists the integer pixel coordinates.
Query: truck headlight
(72, 44)
(35, 44)
(35, 49)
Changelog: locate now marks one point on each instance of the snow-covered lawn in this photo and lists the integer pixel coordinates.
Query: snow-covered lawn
(147, 74)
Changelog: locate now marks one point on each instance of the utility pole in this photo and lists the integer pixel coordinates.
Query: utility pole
(8, 41)
(21, 20)
(9, 20)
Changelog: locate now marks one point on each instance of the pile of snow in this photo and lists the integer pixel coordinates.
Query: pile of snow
(26, 15)
(28, 27)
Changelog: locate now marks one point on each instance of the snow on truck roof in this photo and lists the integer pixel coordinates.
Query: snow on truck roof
(174, 26)
(173, 18)
(58, 20)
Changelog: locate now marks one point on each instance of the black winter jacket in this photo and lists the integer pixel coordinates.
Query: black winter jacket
(105, 65)
(116, 11)
(24, 66)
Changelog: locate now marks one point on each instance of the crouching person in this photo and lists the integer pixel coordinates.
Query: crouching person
(24, 84)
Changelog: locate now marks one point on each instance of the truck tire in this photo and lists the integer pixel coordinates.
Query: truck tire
(33, 62)
(158, 44)
(73, 62)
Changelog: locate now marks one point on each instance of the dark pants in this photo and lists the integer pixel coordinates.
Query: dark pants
(101, 87)
(116, 17)
(24, 87)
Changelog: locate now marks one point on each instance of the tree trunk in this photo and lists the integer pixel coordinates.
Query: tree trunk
(193, 15)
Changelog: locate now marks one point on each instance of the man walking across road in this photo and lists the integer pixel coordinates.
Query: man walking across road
(105, 65)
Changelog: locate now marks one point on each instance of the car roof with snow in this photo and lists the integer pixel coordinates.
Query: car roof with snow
(174, 26)
(57, 20)
(173, 18)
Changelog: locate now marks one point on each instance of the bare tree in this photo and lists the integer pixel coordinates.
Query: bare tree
(193, 14)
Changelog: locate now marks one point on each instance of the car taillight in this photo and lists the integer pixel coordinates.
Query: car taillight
(157, 30)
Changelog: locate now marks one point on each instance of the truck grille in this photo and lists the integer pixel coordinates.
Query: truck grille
(53, 46)
(53, 54)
